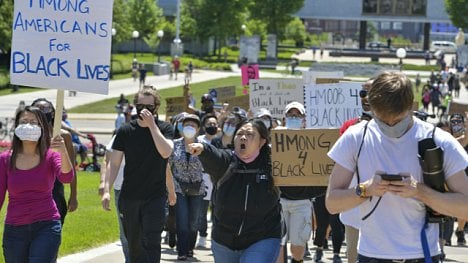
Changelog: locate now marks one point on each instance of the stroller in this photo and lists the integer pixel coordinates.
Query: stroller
(98, 150)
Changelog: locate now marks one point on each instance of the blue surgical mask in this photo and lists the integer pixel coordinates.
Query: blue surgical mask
(229, 129)
(294, 123)
(180, 127)
(397, 130)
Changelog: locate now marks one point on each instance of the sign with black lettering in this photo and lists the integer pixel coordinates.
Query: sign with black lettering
(62, 44)
(299, 157)
(239, 101)
(330, 105)
(275, 94)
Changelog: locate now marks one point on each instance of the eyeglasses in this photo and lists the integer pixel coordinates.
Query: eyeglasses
(363, 93)
(149, 107)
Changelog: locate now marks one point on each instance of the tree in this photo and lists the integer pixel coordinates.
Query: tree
(276, 13)
(145, 17)
(296, 30)
(457, 10)
(6, 22)
(120, 22)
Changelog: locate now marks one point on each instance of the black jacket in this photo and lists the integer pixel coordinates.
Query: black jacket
(246, 206)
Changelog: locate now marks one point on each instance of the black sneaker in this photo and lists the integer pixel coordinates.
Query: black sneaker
(337, 259)
(172, 239)
(318, 255)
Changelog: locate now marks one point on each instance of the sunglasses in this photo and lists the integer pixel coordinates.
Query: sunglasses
(363, 93)
(149, 107)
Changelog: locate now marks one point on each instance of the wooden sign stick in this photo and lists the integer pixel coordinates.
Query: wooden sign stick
(58, 112)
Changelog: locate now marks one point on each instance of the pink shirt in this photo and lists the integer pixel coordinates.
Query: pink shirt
(30, 191)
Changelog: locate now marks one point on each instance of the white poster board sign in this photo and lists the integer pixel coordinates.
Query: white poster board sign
(330, 105)
(62, 45)
(275, 94)
(310, 77)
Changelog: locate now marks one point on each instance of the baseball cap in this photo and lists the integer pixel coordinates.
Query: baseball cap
(241, 113)
(191, 117)
(206, 98)
(262, 112)
(295, 105)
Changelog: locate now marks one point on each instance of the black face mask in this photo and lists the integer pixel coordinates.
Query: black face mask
(140, 107)
(212, 130)
(207, 108)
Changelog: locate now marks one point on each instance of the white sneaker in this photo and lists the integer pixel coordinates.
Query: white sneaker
(201, 242)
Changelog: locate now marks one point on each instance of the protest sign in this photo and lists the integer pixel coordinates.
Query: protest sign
(248, 73)
(455, 107)
(239, 101)
(275, 94)
(62, 44)
(174, 106)
(330, 105)
(223, 93)
(299, 157)
(310, 77)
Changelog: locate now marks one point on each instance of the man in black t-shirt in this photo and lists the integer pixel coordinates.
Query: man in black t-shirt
(146, 144)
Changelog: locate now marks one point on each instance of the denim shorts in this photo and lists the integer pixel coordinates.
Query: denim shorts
(264, 251)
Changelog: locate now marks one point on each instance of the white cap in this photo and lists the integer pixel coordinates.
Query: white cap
(262, 112)
(295, 105)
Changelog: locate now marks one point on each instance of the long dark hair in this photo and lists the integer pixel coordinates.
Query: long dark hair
(51, 105)
(44, 140)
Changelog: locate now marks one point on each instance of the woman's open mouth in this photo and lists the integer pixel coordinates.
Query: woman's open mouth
(242, 146)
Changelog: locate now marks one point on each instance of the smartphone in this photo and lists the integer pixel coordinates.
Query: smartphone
(391, 177)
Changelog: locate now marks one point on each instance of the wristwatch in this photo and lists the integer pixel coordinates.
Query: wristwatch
(361, 190)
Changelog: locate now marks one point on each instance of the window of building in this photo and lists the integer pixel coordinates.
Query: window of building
(397, 25)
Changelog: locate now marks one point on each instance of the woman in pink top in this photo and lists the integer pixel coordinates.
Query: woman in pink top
(28, 171)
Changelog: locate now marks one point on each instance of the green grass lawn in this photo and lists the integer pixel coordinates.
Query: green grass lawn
(87, 227)
(197, 89)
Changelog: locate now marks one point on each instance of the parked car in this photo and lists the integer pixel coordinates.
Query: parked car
(446, 46)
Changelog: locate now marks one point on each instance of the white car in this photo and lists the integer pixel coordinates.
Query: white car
(446, 46)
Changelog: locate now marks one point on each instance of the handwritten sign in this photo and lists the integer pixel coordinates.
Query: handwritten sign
(62, 44)
(455, 107)
(174, 106)
(239, 101)
(330, 105)
(225, 92)
(249, 72)
(299, 157)
(275, 94)
(310, 77)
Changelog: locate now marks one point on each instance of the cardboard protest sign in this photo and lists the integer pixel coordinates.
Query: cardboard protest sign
(223, 93)
(275, 94)
(310, 77)
(239, 101)
(174, 106)
(330, 105)
(455, 107)
(299, 157)
(248, 73)
(62, 45)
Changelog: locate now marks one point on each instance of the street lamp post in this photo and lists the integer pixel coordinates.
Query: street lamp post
(401, 54)
(135, 35)
(160, 36)
(243, 27)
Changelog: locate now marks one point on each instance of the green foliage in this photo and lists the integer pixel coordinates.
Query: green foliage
(457, 11)
(296, 30)
(6, 22)
(145, 17)
(275, 13)
(120, 22)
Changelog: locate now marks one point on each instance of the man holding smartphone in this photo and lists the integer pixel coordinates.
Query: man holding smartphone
(392, 211)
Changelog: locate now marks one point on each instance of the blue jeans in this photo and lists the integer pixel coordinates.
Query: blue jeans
(264, 251)
(123, 239)
(187, 216)
(34, 243)
(202, 222)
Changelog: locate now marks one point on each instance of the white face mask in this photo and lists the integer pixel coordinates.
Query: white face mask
(267, 123)
(28, 132)
(397, 130)
(189, 132)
